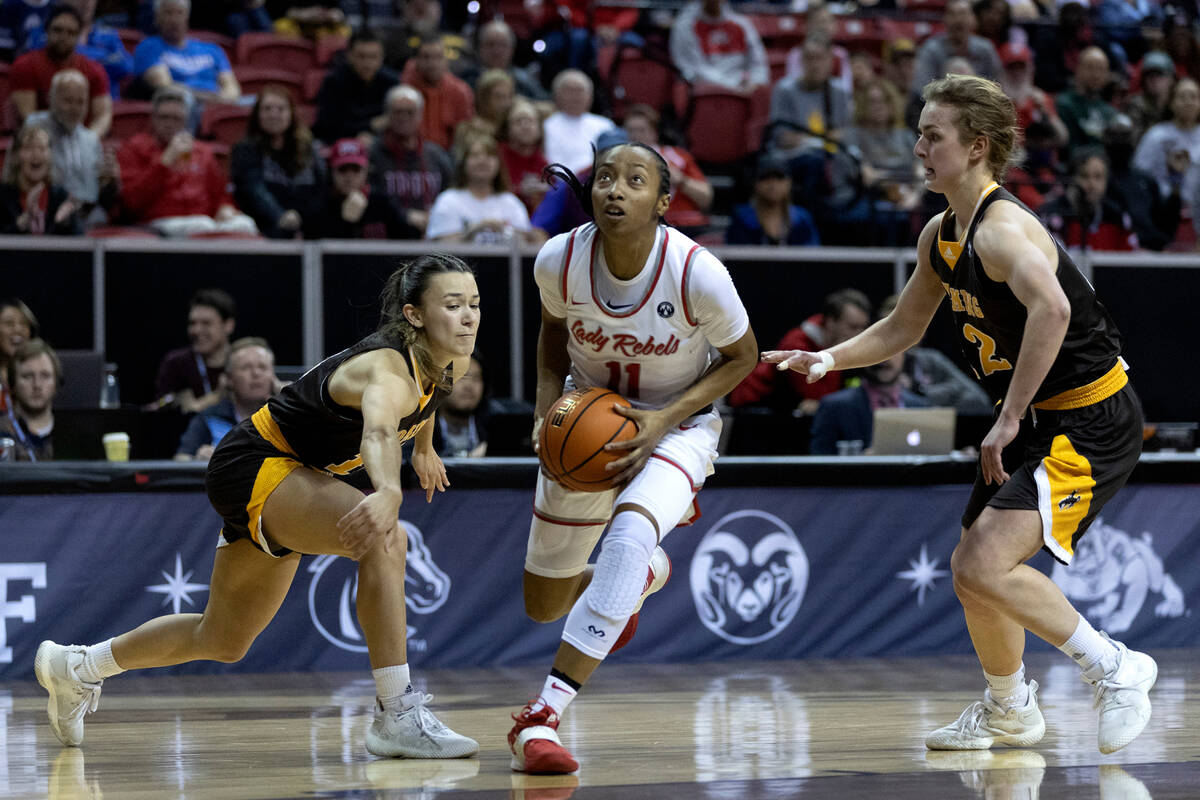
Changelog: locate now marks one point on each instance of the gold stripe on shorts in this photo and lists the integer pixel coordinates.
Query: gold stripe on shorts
(1103, 387)
(270, 475)
(268, 429)
(1071, 484)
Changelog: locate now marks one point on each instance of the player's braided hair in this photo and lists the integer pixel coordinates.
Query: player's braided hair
(583, 190)
(406, 286)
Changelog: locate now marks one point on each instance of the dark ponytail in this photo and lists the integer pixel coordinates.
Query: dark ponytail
(583, 191)
(406, 286)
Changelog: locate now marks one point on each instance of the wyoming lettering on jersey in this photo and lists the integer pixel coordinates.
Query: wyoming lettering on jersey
(991, 320)
(659, 344)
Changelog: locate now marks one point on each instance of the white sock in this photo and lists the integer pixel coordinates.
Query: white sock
(556, 694)
(1089, 649)
(1009, 691)
(391, 684)
(98, 663)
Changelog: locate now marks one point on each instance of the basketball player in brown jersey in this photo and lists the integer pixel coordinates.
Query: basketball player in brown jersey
(275, 479)
(1067, 431)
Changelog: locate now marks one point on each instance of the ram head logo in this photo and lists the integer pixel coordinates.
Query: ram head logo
(748, 577)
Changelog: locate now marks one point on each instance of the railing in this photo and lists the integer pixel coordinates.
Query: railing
(313, 255)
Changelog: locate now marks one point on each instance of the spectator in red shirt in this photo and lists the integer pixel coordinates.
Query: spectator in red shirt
(173, 182)
(521, 152)
(1032, 103)
(844, 314)
(448, 100)
(691, 193)
(30, 75)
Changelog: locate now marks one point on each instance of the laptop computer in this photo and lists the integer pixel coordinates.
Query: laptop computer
(83, 375)
(913, 431)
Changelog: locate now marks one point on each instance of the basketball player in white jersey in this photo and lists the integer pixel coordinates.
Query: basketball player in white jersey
(637, 307)
(1067, 430)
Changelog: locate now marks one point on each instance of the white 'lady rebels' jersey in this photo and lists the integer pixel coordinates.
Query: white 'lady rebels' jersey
(652, 352)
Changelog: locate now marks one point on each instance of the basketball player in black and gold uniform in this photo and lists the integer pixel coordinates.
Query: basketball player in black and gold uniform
(277, 482)
(1068, 426)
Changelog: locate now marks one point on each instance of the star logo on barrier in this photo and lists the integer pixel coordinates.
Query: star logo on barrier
(923, 573)
(177, 589)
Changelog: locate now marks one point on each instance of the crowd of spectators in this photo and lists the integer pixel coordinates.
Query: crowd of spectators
(834, 97)
(428, 120)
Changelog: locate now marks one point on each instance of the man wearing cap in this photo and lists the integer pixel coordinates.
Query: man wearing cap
(1148, 106)
(352, 210)
(958, 39)
(1031, 102)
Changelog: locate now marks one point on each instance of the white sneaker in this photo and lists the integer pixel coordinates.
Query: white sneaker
(985, 723)
(70, 698)
(1123, 697)
(414, 732)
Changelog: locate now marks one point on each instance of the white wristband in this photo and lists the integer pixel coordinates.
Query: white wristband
(818, 370)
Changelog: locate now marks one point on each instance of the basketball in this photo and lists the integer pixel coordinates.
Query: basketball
(574, 432)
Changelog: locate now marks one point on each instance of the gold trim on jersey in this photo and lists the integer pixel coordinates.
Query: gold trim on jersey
(424, 398)
(268, 429)
(270, 475)
(1103, 387)
(1069, 478)
(950, 251)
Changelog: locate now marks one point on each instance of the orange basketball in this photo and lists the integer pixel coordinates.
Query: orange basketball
(574, 432)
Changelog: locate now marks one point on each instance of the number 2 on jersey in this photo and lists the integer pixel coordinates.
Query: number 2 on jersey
(633, 373)
(989, 362)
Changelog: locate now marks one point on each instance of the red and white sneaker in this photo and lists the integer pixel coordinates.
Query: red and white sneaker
(535, 745)
(656, 578)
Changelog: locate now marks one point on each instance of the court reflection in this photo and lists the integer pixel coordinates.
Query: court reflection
(1019, 775)
(542, 787)
(68, 779)
(750, 726)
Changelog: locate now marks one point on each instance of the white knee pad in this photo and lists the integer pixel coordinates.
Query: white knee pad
(600, 614)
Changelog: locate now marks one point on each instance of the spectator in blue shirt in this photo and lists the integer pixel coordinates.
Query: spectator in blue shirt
(770, 217)
(97, 42)
(173, 57)
(18, 20)
(249, 379)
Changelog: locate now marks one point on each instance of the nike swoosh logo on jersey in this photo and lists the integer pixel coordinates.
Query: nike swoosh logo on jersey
(616, 307)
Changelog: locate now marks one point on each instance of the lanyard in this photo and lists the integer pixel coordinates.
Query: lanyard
(202, 368)
(26, 442)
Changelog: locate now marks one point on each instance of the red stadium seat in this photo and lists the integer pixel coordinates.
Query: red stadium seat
(5, 146)
(312, 82)
(327, 46)
(129, 117)
(777, 64)
(779, 30)
(254, 78)
(226, 43)
(277, 52)
(637, 79)
(130, 37)
(225, 123)
(717, 128)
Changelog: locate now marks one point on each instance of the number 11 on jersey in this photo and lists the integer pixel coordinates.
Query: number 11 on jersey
(633, 373)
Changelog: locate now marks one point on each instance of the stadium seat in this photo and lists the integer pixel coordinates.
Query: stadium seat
(777, 64)
(312, 82)
(717, 124)
(327, 46)
(225, 123)
(779, 30)
(5, 146)
(129, 117)
(226, 43)
(131, 38)
(637, 79)
(277, 52)
(254, 78)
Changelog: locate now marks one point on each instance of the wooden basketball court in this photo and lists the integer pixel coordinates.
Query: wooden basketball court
(736, 731)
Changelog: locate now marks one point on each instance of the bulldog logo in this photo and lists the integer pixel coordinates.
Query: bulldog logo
(1111, 575)
(748, 576)
(426, 588)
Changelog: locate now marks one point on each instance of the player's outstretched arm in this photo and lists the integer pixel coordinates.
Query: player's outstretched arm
(893, 334)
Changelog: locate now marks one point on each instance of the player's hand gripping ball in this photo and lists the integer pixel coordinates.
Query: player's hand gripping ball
(573, 434)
